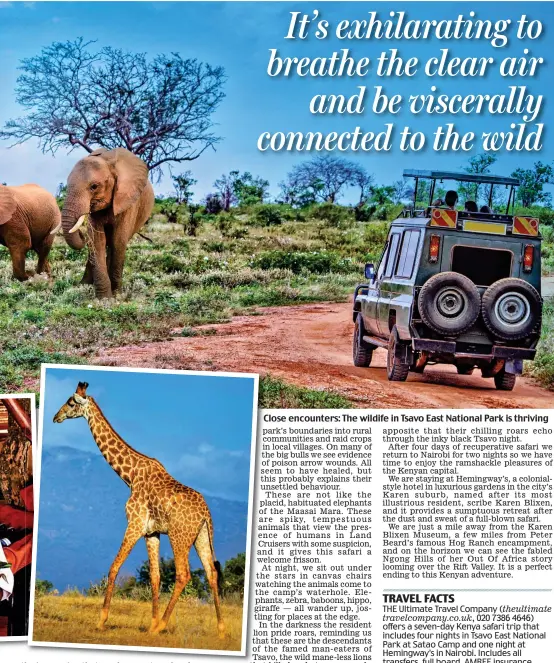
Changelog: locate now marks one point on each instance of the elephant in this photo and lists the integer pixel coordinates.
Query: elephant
(112, 189)
(29, 218)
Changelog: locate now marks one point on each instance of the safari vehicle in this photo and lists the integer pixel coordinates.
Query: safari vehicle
(453, 287)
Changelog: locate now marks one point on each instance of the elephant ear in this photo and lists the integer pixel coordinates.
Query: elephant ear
(131, 176)
(7, 205)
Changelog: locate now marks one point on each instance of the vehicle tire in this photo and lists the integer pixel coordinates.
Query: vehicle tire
(362, 352)
(511, 309)
(449, 303)
(504, 381)
(396, 372)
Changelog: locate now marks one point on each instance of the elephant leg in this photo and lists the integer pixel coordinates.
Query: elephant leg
(18, 254)
(97, 256)
(43, 266)
(88, 276)
(117, 253)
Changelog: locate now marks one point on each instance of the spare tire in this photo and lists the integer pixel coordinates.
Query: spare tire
(511, 309)
(449, 303)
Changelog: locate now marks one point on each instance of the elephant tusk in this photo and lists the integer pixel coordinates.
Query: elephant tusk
(79, 223)
(55, 230)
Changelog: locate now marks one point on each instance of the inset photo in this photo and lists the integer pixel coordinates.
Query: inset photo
(17, 429)
(144, 512)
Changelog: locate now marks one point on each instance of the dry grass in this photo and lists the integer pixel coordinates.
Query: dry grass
(72, 618)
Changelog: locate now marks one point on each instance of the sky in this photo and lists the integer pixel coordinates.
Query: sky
(239, 37)
(198, 426)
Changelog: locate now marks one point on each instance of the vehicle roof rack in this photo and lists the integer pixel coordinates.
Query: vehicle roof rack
(483, 178)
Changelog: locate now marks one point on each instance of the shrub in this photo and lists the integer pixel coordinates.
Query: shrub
(316, 262)
(376, 232)
(333, 215)
(43, 587)
(270, 214)
(275, 393)
(225, 223)
(544, 214)
(192, 221)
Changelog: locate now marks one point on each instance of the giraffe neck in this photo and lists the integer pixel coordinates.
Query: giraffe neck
(121, 457)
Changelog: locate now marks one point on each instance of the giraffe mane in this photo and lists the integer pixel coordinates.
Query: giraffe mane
(112, 429)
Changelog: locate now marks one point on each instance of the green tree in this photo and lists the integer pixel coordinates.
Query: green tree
(197, 585)
(61, 193)
(236, 189)
(478, 164)
(532, 182)
(250, 190)
(167, 574)
(183, 184)
(43, 587)
(233, 575)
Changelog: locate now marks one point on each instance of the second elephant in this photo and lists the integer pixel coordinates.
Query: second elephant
(29, 216)
(112, 188)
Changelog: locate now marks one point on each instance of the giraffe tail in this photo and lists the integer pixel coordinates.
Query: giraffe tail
(217, 564)
(219, 576)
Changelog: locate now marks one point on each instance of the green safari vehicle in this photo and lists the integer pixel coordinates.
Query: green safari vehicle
(454, 287)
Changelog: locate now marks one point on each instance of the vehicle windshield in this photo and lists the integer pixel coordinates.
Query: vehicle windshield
(475, 193)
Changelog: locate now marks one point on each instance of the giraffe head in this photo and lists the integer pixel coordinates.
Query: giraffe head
(75, 406)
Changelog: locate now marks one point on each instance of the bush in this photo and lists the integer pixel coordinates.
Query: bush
(544, 214)
(43, 587)
(333, 215)
(376, 233)
(192, 221)
(316, 262)
(225, 223)
(271, 214)
(275, 393)
(385, 212)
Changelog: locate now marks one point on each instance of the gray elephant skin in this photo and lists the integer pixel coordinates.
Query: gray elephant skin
(111, 188)
(29, 218)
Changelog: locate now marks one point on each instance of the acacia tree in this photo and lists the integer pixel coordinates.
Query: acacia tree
(160, 109)
(324, 178)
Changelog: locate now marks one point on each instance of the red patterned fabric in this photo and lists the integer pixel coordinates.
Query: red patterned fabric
(19, 554)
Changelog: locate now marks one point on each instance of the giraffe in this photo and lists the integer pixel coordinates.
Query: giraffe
(158, 505)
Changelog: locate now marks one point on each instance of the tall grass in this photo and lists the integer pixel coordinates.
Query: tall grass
(72, 618)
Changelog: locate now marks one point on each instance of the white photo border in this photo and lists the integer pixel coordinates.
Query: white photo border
(37, 466)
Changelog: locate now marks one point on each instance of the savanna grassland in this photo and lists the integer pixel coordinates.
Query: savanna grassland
(236, 263)
(186, 275)
(72, 618)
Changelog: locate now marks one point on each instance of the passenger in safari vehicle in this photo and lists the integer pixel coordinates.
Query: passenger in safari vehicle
(16, 515)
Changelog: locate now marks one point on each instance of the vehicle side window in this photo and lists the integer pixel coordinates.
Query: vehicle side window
(408, 251)
(391, 256)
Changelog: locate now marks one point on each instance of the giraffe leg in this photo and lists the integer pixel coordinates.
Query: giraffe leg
(204, 548)
(153, 547)
(182, 577)
(132, 535)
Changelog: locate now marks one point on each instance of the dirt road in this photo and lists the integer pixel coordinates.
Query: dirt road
(310, 346)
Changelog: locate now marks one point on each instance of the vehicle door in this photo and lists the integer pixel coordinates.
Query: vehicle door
(396, 292)
(384, 272)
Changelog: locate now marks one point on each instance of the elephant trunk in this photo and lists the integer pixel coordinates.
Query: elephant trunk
(72, 218)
